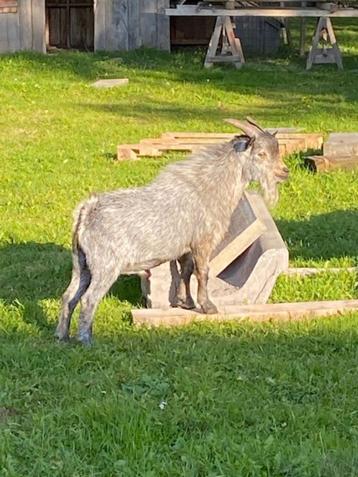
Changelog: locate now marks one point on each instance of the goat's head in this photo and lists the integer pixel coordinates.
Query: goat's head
(264, 164)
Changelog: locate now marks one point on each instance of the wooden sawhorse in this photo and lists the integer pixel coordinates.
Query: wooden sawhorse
(231, 50)
(324, 47)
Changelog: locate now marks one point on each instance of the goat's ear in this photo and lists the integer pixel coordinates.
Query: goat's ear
(241, 143)
(274, 134)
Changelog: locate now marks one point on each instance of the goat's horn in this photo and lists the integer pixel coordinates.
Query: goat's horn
(252, 122)
(248, 128)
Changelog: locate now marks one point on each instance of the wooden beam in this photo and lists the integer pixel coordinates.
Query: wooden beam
(256, 313)
(191, 10)
(326, 164)
(233, 246)
(306, 272)
(8, 9)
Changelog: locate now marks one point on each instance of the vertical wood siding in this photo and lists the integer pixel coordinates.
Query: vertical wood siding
(24, 30)
(128, 24)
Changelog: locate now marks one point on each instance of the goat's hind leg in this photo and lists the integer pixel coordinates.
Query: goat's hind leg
(99, 286)
(80, 281)
(184, 298)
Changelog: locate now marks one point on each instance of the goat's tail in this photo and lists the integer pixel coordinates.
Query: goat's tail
(80, 217)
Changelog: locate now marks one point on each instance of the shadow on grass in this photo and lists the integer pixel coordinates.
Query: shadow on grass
(285, 391)
(276, 76)
(324, 236)
(31, 272)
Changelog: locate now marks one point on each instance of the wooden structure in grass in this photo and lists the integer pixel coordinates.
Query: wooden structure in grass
(231, 50)
(279, 312)
(290, 141)
(340, 151)
(324, 47)
(243, 268)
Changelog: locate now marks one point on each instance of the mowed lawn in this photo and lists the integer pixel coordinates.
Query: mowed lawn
(202, 401)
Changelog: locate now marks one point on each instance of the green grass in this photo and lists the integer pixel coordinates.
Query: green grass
(241, 399)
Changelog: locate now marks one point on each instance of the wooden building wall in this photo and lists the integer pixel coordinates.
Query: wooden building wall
(119, 25)
(24, 29)
(129, 24)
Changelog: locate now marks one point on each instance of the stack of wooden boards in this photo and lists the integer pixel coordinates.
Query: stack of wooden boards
(290, 141)
(340, 151)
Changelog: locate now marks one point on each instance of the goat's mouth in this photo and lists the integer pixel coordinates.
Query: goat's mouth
(282, 176)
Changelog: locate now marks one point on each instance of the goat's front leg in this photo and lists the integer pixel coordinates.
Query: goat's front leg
(201, 256)
(184, 298)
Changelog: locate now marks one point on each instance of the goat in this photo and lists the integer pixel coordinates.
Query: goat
(182, 215)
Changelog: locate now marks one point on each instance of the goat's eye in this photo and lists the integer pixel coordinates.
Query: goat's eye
(262, 155)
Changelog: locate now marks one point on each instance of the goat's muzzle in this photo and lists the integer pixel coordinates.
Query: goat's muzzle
(282, 174)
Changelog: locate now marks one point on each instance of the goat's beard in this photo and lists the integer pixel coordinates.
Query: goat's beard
(270, 192)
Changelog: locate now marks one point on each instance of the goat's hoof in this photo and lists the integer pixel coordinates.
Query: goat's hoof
(209, 308)
(62, 336)
(85, 340)
(187, 304)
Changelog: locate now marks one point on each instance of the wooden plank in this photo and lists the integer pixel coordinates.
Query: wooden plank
(288, 143)
(181, 134)
(280, 312)
(81, 28)
(326, 164)
(4, 44)
(126, 152)
(191, 10)
(148, 23)
(8, 3)
(110, 83)
(13, 32)
(111, 25)
(134, 32)
(163, 26)
(341, 144)
(214, 42)
(306, 272)
(335, 49)
(119, 27)
(38, 26)
(25, 19)
(234, 245)
(99, 25)
(109, 39)
(235, 43)
(8, 9)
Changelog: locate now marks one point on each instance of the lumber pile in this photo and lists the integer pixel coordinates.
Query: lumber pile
(290, 141)
(340, 151)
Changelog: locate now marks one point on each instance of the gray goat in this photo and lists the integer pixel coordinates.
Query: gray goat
(182, 215)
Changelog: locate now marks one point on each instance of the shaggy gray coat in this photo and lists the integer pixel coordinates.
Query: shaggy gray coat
(184, 212)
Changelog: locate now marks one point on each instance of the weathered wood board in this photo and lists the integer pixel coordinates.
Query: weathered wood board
(23, 26)
(128, 24)
(326, 164)
(284, 12)
(341, 145)
(280, 312)
(110, 83)
(289, 142)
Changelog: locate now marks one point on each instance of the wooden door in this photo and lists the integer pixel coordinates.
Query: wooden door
(70, 24)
